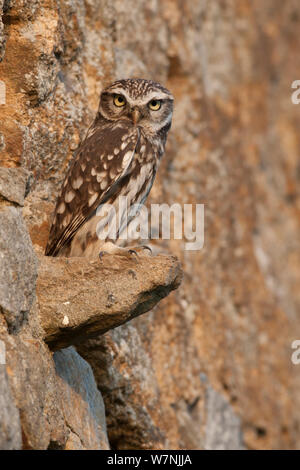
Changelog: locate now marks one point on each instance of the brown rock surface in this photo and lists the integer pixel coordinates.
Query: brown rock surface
(80, 298)
(10, 430)
(82, 403)
(18, 268)
(56, 400)
(14, 184)
(219, 349)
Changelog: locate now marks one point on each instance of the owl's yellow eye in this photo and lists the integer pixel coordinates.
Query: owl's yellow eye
(119, 100)
(154, 105)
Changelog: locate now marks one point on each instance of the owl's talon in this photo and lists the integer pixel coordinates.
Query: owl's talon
(133, 252)
(101, 254)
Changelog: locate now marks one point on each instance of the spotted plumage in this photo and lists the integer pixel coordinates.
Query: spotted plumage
(119, 157)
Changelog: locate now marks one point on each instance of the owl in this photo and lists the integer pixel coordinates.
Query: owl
(119, 157)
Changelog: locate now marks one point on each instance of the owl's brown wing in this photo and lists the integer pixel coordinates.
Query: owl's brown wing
(101, 161)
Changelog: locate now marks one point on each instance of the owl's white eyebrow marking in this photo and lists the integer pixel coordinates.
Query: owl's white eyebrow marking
(118, 90)
(92, 199)
(157, 94)
(77, 183)
(61, 208)
(69, 196)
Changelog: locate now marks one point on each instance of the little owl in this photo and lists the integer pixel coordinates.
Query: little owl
(119, 157)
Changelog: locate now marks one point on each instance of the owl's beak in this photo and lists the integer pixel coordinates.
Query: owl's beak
(136, 116)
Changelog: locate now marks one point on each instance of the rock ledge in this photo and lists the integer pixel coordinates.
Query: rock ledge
(80, 298)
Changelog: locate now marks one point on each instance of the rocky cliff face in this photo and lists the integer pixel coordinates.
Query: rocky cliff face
(210, 366)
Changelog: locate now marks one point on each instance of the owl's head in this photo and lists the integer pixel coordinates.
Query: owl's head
(143, 103)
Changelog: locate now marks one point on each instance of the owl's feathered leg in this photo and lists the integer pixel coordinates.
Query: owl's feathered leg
(111, 248)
